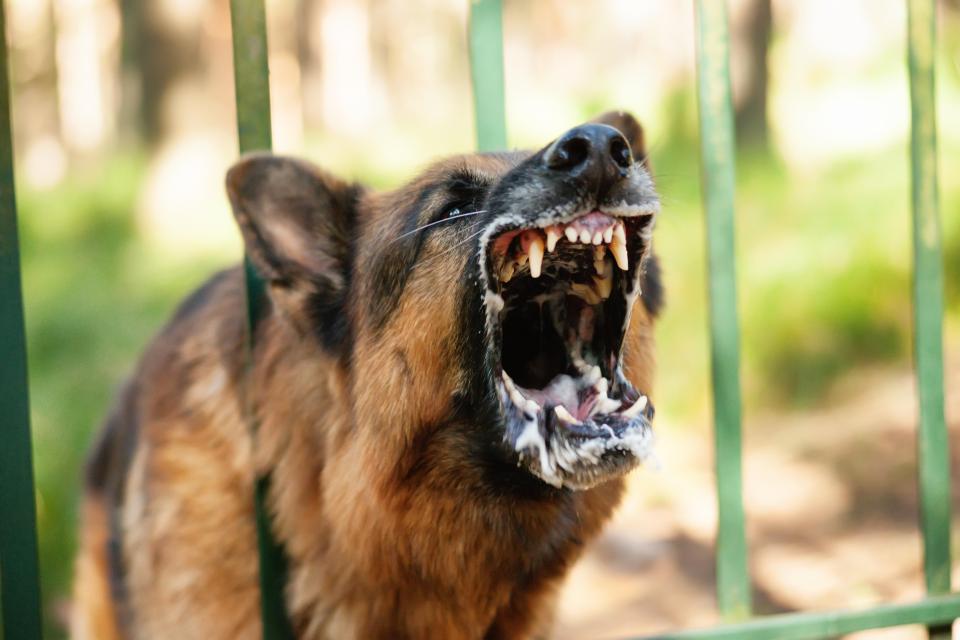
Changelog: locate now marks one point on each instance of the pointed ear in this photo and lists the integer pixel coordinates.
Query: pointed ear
(297, 224)
(631, 130)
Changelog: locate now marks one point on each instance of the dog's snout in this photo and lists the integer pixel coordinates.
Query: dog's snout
(594, 152)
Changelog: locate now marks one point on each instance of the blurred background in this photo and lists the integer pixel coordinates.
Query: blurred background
(124, 126)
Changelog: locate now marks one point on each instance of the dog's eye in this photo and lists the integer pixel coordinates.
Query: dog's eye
(453, 210)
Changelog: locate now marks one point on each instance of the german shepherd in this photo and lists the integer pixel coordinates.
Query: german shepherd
(446, 387)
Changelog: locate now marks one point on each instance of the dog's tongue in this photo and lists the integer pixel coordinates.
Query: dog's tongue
(576, 395)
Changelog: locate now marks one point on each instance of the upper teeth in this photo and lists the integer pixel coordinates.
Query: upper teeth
(553, 235)
(534, 242)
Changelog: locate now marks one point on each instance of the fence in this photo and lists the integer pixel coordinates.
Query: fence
(19, 582)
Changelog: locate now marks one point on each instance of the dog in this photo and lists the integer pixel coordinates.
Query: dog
(449, 383)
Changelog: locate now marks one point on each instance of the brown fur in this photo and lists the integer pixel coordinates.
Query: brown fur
(390, 522)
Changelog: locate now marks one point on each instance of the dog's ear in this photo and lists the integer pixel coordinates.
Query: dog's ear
(297, 224)
(631, 130)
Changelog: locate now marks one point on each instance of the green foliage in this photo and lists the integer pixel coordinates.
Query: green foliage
(823, 270)
(93, 298)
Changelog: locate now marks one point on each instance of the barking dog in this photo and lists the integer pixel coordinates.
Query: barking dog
(449, 384)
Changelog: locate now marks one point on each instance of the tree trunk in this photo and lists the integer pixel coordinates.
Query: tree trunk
(156, 53)
(751, 108)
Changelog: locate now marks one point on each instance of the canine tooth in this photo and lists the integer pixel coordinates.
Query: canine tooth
(606, 405)
(506, 272)
(535, 251)
(636, 408)
(585, 237)
(620, 232)
(553, 235)
(597, 238)
(532, 407)
(564, 416)
(571, 234)
(586, 292)
(618, 248)
(608, 235)
(517, 398)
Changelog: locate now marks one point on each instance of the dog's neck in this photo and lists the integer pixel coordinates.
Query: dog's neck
(369, 502)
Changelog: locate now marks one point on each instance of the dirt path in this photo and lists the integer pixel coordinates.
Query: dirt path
(831, 517)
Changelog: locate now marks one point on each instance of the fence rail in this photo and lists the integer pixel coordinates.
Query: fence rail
(717, 169)
(251, 74)
(19, 576)
(933, 445)
(19, 581)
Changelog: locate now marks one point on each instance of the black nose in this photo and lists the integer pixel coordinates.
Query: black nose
(597, 153)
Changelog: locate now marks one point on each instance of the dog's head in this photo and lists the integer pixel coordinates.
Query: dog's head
(490, 295)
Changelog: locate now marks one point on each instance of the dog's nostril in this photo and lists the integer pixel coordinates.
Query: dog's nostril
(569, 153)
(620, 152)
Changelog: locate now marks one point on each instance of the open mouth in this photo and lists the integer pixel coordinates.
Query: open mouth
(558, 305)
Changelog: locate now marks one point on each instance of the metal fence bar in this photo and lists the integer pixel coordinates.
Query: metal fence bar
(830, 624)
(486, 72)
(933, 443)
(19, 573)
(717, 163)
(252, 85)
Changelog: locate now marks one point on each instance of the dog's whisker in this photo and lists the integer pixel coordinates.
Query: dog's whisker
(460, 243)
(430, 224)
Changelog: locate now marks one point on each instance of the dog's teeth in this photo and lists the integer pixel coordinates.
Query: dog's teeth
(506, 271)
(532, 407)
(636, 408)
(553, 235)
(564, 416)
(608, 235)
(571, 234)
(597, 238)
(620, 232)
(618, 249)
(535, 251)
(521, 259)
(593, 376)
(585, 237)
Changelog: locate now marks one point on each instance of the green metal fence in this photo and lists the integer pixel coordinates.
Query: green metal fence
(19, 584)
(19, 577)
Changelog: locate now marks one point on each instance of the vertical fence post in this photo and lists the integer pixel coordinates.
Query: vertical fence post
(933, 443)
(486, 72)
(19, 575)
(717, 166)
(252, 86)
